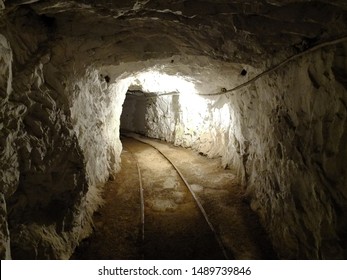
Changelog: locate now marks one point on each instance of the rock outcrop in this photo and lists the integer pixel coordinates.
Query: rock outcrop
(293, 154)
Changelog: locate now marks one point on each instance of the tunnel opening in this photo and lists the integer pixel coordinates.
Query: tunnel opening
(272, 78)
(168, 107)
(163, 106)
(176, 108)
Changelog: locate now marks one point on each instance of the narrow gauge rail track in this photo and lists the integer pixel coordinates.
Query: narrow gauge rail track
(208, 233)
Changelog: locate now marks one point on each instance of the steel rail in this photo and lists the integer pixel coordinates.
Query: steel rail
(196, 199)
(141, 198)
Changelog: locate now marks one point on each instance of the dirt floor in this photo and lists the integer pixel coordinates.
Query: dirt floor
(174, 226)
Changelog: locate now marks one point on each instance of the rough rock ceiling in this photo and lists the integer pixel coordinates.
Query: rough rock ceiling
(230, 30)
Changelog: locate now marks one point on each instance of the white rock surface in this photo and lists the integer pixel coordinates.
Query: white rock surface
(50, 174)
(292, 154)
(96, 124)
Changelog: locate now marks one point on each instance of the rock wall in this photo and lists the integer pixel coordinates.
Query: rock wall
(8, 163)
(133, 114)
(51, 169)
(95, 112)
(291, 148)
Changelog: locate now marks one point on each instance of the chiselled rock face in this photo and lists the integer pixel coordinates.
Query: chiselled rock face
(73, 73)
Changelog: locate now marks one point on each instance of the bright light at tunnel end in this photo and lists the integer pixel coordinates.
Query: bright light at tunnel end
(155, 81)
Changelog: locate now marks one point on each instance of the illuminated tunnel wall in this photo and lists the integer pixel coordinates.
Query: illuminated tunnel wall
(169, 107)
(186, 120)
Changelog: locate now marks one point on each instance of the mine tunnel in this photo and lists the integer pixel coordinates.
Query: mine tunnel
(173, 130)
